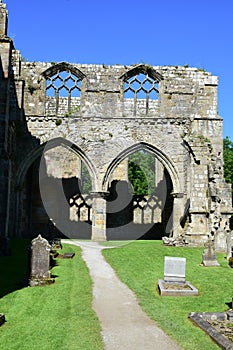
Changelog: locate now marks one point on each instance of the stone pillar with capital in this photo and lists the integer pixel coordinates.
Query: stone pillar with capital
(99, 217)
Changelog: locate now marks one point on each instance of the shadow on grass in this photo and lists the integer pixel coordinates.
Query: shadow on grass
(53, 263)
(229, 304)
(14, 269)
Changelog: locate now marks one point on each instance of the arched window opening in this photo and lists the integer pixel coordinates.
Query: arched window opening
(143, 90)
(63, 93)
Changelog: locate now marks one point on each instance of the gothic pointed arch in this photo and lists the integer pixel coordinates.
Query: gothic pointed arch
(51, 185)
(141, 90)
(158, 153)
(63, 66)
(63, 83)
(152, 212)
(144, 69)
(35, 153)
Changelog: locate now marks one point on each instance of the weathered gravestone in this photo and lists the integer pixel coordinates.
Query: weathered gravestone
(209, 256)
(40, 262)
(229, 245)
(220, 241)
(174, 282)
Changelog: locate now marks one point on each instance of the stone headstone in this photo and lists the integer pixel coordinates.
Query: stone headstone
(229, 245)
(174, 283)
(174, 269)
(40, 261)
(209, 256)
(220, 241)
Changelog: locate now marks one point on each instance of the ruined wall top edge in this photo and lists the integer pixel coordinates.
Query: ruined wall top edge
(176, 69)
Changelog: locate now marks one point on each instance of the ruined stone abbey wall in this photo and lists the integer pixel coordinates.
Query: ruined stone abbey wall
(103, 125)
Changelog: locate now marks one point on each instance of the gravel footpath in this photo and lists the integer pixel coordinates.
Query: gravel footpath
(124, 325)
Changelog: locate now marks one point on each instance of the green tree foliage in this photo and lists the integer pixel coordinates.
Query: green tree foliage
(141, 172)
(228, 160)
(86, 180)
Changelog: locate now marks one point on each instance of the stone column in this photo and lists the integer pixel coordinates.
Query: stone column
(99, 216)
(177, 213)
(161, 189)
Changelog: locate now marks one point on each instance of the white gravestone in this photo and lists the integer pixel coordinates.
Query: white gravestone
(174, 269)
(174, 283)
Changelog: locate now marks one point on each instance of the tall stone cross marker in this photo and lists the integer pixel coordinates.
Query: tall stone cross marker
(209, 256)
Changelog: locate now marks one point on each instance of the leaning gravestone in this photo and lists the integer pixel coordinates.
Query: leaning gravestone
(40, 262)
(174, 283)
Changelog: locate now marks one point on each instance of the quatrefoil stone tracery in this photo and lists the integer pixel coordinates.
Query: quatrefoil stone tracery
(63, 89)
(131, 83)
(57, 82)
(142, 86)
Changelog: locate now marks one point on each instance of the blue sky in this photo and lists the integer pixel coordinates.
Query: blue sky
(158, 32)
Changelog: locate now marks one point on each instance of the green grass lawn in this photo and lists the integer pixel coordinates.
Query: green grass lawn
(140, 265)
(58, 316)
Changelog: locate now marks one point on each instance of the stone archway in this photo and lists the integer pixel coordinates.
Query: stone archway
(151, 215)
(171, 112)
(53, 195)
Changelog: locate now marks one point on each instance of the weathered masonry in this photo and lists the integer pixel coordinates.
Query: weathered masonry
(68, 132)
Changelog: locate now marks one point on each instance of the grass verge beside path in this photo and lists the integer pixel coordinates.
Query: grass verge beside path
(140, 265)
(58, 316)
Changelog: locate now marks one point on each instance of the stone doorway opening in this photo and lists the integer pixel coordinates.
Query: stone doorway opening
(140, 201)
(55, 198)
